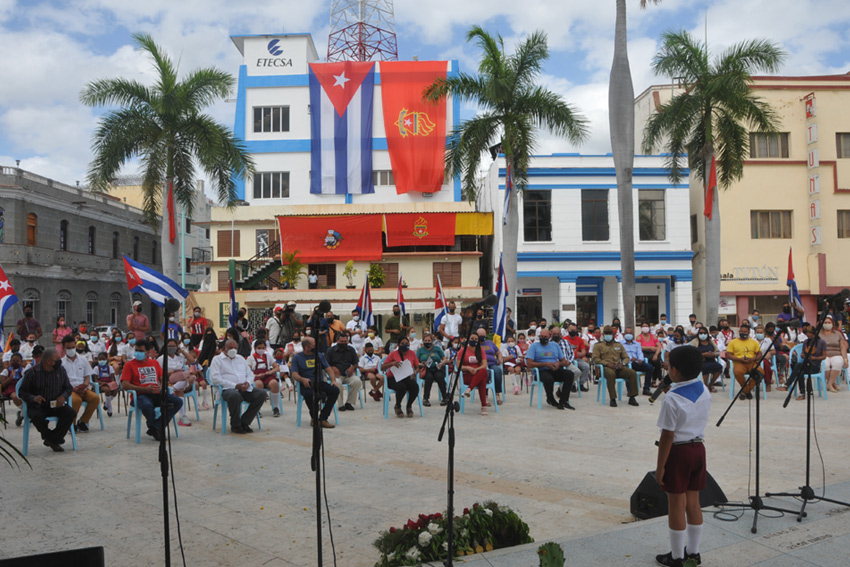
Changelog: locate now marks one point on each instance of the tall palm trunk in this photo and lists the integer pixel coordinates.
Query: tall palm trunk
(621, 115)
(168, 250)
(712, 253)
(510, 239)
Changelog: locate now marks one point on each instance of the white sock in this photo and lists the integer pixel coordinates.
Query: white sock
(183, 408)
(677, 543)
(108, 403)
(694, 537)
(289, 383)
(204, 394)
(274, 400)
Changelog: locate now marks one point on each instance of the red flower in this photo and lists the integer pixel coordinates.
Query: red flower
(392, 530)
(438, 515)
(475, 506)
(465, 511)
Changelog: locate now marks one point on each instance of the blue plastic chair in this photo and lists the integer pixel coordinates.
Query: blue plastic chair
(735, 382)
(818, 379)
(301, 399)
(220, 403)
(602, 386)
(99, 408)
(140, 416)
(491, 386)
(390, 392)
(359, 392)
(193, 394)
(26, 423)
(537, 384)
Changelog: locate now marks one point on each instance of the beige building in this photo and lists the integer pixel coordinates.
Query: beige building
(795, 195)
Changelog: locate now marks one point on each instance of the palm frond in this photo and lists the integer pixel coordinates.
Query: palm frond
(166, 71)
(550, 111)
(493, 61)
(155, 167)
(120, 92)
(120, 135)
(681, 56)
(751, 56)
(467, 142)
(731, 148)
(527, 62)
(204, 87)
(465, 88)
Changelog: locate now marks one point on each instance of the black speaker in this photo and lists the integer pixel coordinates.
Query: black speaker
(649, 501)
(87, 557)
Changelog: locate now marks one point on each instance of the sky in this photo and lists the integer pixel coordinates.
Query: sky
(49, 50)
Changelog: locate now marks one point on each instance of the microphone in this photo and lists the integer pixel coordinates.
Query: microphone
(783, 325)
(843, 294)
(660, 389)
(172, 305)
(489, 300)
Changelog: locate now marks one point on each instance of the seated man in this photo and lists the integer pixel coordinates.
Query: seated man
(79, 373)
(9, 378)
(266, 370)
(551, 364)
(46, 389)
(141, 375)
(432, 359)
(635, 351)
(613, 358)
(494, 362)
(303, 368)
(579, 353)
(743, 351)
(369, 371)
(342, 361)
(230, 371)
(567, 350)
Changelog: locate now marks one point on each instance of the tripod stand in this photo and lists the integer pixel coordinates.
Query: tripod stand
(755, 502)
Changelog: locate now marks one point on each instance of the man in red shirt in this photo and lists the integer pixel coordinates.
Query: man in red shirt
(580, 351)
(141, 375)
(197, 325)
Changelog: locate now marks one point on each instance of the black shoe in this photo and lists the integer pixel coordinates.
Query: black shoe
(742, 396)
(82, 427)
(667, 560)
(275, 412)
(749, 396)
(613, 403)
(554, 404)
(444, 402)
(56, 447)
(584, 388)
(343, 408)
(247, 429)
(109, 413)
(348, 407)
(155, 433)
(20, 419)
(426, 403)
(575, 388)
(693, 557)
(647, 392)
(566, 405)
(238, 429)
(633, 401)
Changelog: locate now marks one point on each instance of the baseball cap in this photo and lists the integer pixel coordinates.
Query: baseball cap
(278, 308)
(290, 303)
(136, 303)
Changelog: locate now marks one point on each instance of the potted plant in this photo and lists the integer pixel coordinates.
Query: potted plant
(403, 283)
(377, 278)
(291, 269)
(349, 272)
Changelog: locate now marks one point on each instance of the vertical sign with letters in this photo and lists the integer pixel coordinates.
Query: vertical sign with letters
(812, 164)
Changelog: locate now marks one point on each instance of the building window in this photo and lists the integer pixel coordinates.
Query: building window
(32, 229)
(271, 119)
(694, 231)
(207, 233)
(326, 274)
(2, 223)
(594, 214)
(228, 243)
(188, 229)
(63, 302)
(768, 145)
(91, 240)
(63, 236)
(136, 248)
(187, 265)
(30, 298)
(91, 307)
(383, 177)
(651, 214)
(271, 185)
(770, 224)
(449, 272)
(114, 308)
(537, 216)
(842, 145)
(843, 224)
(115, 246)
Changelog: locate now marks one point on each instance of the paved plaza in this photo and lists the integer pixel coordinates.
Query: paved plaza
(250, 501)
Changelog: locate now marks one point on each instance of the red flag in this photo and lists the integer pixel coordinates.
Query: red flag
(710, 189)
(332, 238)
(172, 228)
(416, 130)
(420, 229)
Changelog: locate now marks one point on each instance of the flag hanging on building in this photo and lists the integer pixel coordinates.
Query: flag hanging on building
(233, 315)
(8, 298)
(364, 305)
(400, 297)
(439, 306)
(710, 189)
(159, 288)
(332, 238)
(793, 295)
(420, 229)
(341, 107)
(500, 312)
(416, 130)
(508, 190)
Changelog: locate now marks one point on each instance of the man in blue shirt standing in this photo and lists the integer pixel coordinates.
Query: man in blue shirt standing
(550, 362)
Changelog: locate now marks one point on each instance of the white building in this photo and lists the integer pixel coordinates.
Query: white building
(569, 253)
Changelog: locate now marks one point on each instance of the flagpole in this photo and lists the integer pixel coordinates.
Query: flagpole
(183, 254)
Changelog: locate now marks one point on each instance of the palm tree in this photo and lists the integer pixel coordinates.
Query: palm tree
(164, 126)
(710, 119)
(621, 117)
(513, 109)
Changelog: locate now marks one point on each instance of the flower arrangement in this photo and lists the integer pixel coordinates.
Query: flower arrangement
(484, 527)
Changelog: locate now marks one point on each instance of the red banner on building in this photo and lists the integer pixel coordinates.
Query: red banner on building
(332, 238)
(416, 130)
(420, 229)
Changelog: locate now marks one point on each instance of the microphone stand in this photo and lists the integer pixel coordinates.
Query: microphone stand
(755, 502)
(806, 492)
(318, 439)
(168, 308)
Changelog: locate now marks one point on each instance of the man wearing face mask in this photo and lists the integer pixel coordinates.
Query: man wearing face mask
(580, 352)
(231, 372)
(786, 314)
(450, 325)
(551, 366)
(569, 355)
(96, 345)
(303, 368)
(197, 326)
(396, 327)
(138, 322)
(357, 329)
(432, 359)
(45, 388)
(28, 325)
(636, 356)
(141, 375)
(662, 324)
(614, 360)
(342, 367)
(79, 373)
(743, 351)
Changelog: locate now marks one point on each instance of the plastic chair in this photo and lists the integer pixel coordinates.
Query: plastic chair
(220, 403)
(301, 399)
(602, 386)
(491, 386)
(27, 422)
(193, 393)
(536, 383)
(390, 392)
(140, 416)
(99, 408)
(735, 382)
(819, 379)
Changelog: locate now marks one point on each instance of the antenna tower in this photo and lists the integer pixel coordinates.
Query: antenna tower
(362, 30)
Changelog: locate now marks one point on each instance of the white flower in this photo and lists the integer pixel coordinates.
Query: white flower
(413, 553)
(424, 539)
(434, 528)
(446, 545)
(464, 532)
(488, 511)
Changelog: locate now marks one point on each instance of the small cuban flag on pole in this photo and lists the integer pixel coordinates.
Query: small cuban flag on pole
(400, 297)
(159, 288)
(8, 298)
(439, 306)
(233, 316)
(364, 305)
(793, 295)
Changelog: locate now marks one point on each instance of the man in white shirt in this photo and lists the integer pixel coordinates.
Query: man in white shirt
(27, 346)
(358, 330)
(662, 324)
(450, 325)
(368, 365)
(79, 375)
(231, 372)
(96, 345)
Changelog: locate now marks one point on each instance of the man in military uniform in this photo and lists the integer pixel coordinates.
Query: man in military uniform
(614, 359)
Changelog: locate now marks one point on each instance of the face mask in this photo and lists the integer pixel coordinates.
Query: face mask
(760, 336)
(403, 349)
(629, 336)
(94, 339)
(231, 353)
(132, 341)
(703, 337)
(544, 341)
(30, 341)
(412, 336)
(744, 336)
(172, 350)
(664, 321)
(81, 350)
(451, 310)
(61, 323)
(396, 313)
(644, 330)
(533, 327)
(770, 333)
(101, 363)
(371, 335)
(755, 317)
(473, 344)
(117, 339)
(197, 314)
(608, 338)
(511, 345)
(139, 309)
(786, 310)
(139, 355)
(356, 318)
(455, 346)
(260, 351)
(427, 345)
(827, 326)
(678, 340)
(186, 342)
(14, 365)
(27, 313)
(172, 319)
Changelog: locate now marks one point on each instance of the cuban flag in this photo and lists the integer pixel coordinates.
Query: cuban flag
(400, 297)
(341, 107)
(7, 299)
(159, 288)
(364, 305)
(793, 295)
(500, 313)
(234, 309)
(439, 306)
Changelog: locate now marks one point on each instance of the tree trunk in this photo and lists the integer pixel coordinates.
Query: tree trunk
(712, 254)
(169, 252)
(510, 237)
(621, 116)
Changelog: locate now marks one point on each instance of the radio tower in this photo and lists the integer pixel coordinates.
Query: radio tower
(362, 30)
